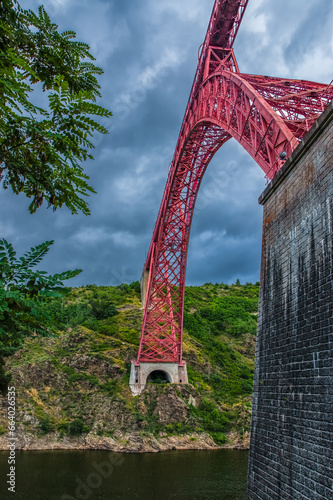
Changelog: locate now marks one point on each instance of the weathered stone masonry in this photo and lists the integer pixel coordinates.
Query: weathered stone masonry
(291, 441)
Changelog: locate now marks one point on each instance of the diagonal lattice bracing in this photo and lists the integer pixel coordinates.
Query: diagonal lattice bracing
(267, 116)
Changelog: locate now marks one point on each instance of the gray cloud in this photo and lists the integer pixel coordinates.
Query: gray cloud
(148, 51)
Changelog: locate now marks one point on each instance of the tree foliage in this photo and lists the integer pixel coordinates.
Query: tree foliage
(41, 148)
(20, 286)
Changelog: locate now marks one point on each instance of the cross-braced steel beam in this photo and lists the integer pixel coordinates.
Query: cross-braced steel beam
(267, 116)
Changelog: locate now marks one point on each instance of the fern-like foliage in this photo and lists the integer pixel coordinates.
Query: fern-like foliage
(20, 287)
(42, 150)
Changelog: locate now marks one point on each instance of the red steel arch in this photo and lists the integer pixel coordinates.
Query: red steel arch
(267, 116)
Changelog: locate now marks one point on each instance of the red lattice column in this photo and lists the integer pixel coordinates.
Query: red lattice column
(268, 117)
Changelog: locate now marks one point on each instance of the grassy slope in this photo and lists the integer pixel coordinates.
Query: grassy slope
(77, 380)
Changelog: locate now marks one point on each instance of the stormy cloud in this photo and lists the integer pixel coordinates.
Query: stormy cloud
(149, 53)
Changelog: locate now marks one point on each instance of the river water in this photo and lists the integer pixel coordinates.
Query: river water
(101, 475)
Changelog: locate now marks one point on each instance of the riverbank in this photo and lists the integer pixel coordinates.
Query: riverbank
(123, 443)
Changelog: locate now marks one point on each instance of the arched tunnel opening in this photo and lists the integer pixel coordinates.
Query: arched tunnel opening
(158, 377)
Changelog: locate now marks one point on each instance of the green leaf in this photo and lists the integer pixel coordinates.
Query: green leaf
(20, 288)
(42, 148)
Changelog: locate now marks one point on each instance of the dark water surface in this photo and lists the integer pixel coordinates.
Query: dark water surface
(101, 475)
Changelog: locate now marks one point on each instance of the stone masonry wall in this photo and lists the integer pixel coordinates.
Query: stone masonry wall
(291, 440)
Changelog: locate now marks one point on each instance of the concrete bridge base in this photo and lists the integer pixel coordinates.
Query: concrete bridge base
(175, 374)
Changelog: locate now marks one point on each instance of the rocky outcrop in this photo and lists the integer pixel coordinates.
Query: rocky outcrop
(132, 442)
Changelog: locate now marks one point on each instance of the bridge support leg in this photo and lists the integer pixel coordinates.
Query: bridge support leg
(175, 374)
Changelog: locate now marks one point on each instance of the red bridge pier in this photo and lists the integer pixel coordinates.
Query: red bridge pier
(268, 116)
(175, 373)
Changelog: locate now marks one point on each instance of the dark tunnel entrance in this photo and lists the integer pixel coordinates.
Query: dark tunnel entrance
(158, 377)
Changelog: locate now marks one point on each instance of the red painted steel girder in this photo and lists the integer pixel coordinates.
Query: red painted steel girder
(221, 33)
(298, 102)
(267, 116)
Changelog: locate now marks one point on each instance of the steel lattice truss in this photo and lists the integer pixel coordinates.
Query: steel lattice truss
(267, 116)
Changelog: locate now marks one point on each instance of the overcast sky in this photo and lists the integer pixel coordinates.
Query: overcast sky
(148, 50)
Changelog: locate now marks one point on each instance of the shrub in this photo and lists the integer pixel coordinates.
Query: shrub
(219, 438)
(62, 426)
(46, 425)
(136, 287)
(101, 308)
(77, 427)
(212, 420)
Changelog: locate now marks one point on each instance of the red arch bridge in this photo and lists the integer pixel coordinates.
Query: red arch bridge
(268, 117)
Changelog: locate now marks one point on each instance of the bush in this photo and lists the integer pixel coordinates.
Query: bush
(212, 420)
(92, 323)
(62, 427)
(247, 386)
(101, 308)
(219, 438)
(77, 427)
(136, 287)
(46, 425)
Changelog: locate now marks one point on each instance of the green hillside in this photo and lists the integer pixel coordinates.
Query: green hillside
(73, 385)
